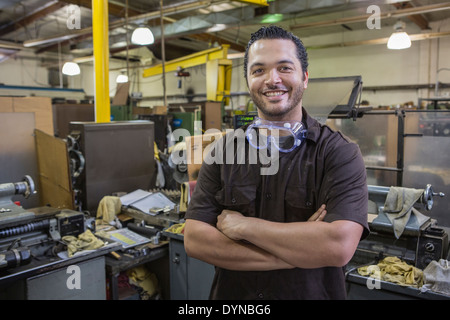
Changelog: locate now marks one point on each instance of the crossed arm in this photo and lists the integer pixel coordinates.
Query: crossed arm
(247, 243)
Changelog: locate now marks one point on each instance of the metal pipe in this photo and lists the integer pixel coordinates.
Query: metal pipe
(119, 23)
(436, 87)
(391, 14)
(163, 55)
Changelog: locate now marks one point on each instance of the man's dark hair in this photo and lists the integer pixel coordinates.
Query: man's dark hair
(274, 32)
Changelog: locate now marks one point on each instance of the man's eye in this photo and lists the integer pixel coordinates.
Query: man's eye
(256, 71)
(285, 68)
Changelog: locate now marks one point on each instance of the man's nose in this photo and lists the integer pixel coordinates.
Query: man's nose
(273, 77)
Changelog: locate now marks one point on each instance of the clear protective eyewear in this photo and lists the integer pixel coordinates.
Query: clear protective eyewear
(284, 135)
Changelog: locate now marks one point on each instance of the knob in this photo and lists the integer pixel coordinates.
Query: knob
(429, 247)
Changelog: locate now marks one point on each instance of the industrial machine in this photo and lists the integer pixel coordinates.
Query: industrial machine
(421, 241)
(26, 234)
(111, 157)
(34, 262)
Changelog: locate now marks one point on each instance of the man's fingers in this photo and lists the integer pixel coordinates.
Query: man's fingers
(319, 215)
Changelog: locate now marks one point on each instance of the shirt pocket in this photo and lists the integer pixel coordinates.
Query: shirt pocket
(299, 204)
(238, 198)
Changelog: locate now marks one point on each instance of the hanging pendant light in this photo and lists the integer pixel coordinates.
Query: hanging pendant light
(142, 36)
(399, 39)
(122, 78)
(71, 69)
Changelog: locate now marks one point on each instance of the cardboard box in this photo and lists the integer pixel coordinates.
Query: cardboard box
(161, 110)
(195, 148)
(40, 106)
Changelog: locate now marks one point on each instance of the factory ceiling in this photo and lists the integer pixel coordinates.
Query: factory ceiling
(46, 29)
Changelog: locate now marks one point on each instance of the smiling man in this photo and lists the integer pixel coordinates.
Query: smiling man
(276, 79)
(290, 234)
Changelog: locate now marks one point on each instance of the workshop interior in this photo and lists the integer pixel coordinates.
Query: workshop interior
(95, 178)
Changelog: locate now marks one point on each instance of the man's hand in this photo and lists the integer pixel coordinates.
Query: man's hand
(230, 222)
(319, 214)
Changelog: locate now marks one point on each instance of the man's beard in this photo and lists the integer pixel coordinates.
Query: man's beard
(267, 110)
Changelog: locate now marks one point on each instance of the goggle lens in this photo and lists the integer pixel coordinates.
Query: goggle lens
(283, 137)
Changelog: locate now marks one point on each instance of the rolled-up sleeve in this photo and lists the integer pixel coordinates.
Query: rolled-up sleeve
(203, 205)
(344, 185)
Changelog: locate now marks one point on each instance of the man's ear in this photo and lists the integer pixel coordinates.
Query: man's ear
(305, 79)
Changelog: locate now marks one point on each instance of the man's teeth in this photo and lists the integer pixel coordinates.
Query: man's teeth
(274, 93)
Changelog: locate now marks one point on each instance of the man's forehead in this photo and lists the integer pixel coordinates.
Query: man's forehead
(284, 46)
(272, 49)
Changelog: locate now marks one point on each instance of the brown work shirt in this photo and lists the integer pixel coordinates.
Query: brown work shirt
(325, 169)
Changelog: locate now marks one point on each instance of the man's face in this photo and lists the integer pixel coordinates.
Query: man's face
(275, 79)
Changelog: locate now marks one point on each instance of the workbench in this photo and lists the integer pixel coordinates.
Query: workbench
(48, 278)
(114, 266)
(363, 288)
(190, 278)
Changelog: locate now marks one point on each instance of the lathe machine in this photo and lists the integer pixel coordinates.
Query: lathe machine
(34, 262)
(422, 241)
(25, 234)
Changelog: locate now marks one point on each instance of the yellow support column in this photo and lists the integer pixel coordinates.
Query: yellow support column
(101, 60)
(224, 81)
(212, 79)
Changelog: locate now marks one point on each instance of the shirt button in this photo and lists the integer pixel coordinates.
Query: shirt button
(268, 196)
(260, 295)
(233, 200)
(308, 204)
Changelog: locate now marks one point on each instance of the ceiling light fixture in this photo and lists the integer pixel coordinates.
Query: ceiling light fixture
(399, 39)
(122, 78)
(142, 36)
(71, 69)
(217, 27)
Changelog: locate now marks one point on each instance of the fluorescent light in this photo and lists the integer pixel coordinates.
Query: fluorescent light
(142, 36)
(272, 18)
(71, 69)
(122, 78)
(399, 39)
(217, 27)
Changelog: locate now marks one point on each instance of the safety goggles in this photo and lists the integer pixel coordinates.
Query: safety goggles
(284, 135)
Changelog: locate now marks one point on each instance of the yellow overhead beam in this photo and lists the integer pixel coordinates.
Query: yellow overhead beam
(258, 2)
(191, 60)
(218, 70)
(101, 60)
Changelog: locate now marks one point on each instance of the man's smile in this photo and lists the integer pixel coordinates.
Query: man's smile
(274, 94)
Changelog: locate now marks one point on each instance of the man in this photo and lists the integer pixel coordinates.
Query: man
(290, 234)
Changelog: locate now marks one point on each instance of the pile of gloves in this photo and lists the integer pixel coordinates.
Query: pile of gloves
(392, 269)
(435, 277)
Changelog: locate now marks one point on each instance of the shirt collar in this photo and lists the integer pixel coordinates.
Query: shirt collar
(312, 125)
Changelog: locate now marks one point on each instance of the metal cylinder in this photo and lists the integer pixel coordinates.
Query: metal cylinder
(25, 187)
(14, 258)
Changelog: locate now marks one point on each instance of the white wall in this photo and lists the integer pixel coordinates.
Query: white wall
(22, 71)
(377, 65)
